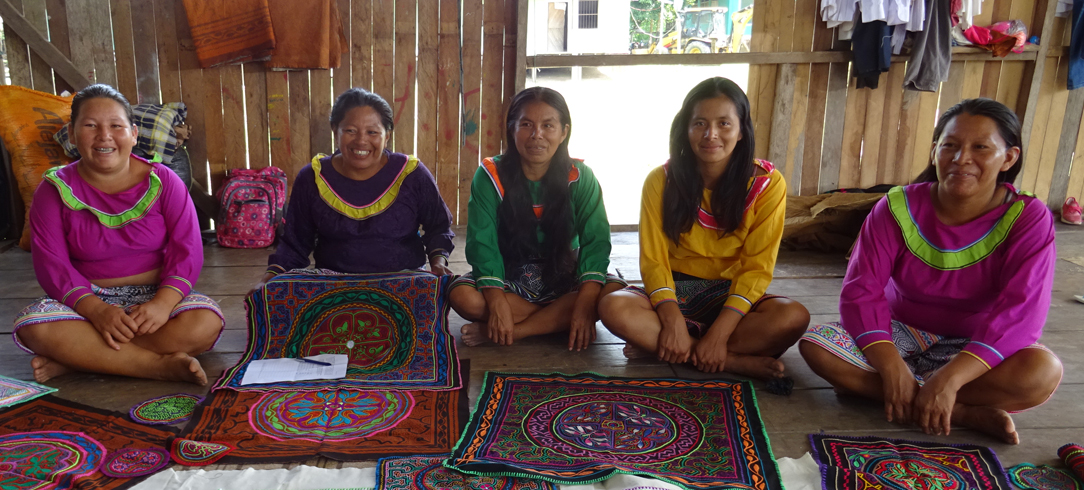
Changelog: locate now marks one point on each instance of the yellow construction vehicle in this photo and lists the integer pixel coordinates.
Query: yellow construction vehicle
(703, 30)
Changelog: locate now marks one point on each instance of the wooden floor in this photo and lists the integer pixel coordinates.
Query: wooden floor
(813, 279)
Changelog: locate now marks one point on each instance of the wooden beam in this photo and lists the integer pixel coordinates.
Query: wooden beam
(60, 63)
(1033, 74)
(521, 45)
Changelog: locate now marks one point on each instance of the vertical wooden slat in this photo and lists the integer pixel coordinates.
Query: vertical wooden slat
(802, 41)
(511, 34)
(233, 116)
(521, 40)
(905, 142)
(492, 81)
(952, 91)
(341, 76)
(972, 84)
(428, 25)
(18, 55)
(168, 63)
(814, 128)
(835, 115)
(871, 134)
(448, 100)
(320, 140)
(258, 109)
(1070, 128)
(278, 115)
(361, 43)
(105, 67)
(383, 47)
(192, 94)
(471, 108)
(763, 92)
(213, 122)
(784, 100)
(1043, 146)
(146, 52)
(58, 36)
(124, 45)
(1075, 187)
(402, 101)
(1049, 30)
(79, 39)
(991, 78)
(1034, 145)
(41, 73)
(854, 122)
(299, 123)
(927, 117)
(890, 125)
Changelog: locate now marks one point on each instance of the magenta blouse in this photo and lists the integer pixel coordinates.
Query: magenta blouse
(81, 234)
(989, 280)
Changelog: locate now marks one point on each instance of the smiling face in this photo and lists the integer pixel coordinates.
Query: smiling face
(969, 156)
(714, 130)
(103, 134)
(362, 139)
(539, 132)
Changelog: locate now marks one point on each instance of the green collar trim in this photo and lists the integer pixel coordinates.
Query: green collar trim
(948, 260)
(109, 220)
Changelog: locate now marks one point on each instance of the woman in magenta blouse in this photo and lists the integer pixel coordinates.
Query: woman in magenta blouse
(116, 247)
(948, 288)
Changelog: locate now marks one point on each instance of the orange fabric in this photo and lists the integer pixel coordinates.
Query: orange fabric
(230, 31)
(28, 120)
(309, 34)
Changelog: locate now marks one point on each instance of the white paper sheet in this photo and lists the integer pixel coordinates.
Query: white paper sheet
(290, 369)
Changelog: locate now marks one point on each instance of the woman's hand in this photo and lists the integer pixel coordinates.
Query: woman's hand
(150, 316)
(675, 344)
(500, 323)
(263, 280)
(438, 264)
(710, 353)
(581, 331)
(897, 382)
(114, 325)
(933, 408)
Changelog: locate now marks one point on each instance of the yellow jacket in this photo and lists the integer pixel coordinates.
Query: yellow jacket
(746, 257)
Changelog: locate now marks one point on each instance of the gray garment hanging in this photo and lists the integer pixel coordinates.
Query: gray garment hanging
(931, 55)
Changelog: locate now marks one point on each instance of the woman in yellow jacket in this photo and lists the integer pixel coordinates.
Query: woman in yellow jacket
(711, 219)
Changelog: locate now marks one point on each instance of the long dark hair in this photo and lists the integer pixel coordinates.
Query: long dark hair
(517, 226)
(1008, 126)
(684, 184)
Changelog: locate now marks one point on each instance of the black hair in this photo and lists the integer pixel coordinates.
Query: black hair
(1008, 126)
(358, 97)
(100, 90)
(517, 225)
(685, 186)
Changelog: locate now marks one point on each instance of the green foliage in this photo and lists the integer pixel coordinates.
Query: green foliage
(644, 21)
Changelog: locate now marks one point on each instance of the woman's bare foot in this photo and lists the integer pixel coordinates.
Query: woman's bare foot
(182, 367)
(46, 369)
(759, 367)
(474, 334)
(989, 420)
(633, 352)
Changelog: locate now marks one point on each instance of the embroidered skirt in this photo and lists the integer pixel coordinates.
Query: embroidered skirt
(701, 300)
(46, 309)
(527, 283)
(923, 352)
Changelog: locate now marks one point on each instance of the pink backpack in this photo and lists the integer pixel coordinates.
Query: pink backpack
(252, 207)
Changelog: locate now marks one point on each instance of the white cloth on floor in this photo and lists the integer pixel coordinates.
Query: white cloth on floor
(297, 478)
(800, 474)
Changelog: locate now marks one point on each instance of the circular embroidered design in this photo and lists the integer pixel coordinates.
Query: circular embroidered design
(166, 409)
(329, 415)
(198, 453)
(1027, 477)
(133, 462)
(374, 328)
(27, 459)
(636, 428)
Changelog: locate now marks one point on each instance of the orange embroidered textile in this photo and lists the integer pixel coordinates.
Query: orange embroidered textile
(230, 31)
(308, 34)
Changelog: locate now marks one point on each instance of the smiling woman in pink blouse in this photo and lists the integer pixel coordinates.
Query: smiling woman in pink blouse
(948, 288)
(116, 247)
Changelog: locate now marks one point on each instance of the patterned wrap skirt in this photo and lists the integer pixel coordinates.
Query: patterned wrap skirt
(526, 282)
(923, 352)
(47, 309)
(701, 300)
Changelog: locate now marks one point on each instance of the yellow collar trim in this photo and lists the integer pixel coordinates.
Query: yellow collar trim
(368, 210)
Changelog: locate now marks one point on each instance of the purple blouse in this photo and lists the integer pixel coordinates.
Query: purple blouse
(364, 226)
(1000, 302)
(81, 234)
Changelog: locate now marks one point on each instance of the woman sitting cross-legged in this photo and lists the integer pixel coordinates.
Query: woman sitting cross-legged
(116, 246)
(948, 288)
(537, 235)
(710, 224)
(358, 211)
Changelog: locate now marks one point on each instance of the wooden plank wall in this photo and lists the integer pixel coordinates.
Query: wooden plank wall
(408, 51)
(824, 133)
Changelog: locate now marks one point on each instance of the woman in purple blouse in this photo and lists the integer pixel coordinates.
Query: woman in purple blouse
(116, 246)
(948, 288)
(360, 209)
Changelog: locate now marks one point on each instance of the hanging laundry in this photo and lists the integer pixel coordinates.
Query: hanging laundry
(230, 31)
(309, 34)
(836, 12)
(871, 44)
(931, 55)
